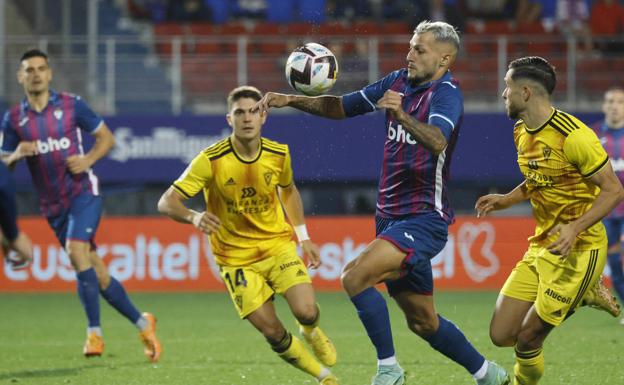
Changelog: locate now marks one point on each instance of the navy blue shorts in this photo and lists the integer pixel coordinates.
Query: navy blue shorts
(421, 237)
(80, 221)
(614, 229)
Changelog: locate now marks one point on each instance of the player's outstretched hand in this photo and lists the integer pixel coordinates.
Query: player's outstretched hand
(565, 242)
(78, 164)
(205, 222)
(270, 99)
(490, 202)
(311, 250)
(392, 101)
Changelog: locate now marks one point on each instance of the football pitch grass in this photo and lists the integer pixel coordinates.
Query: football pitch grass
(41, 337)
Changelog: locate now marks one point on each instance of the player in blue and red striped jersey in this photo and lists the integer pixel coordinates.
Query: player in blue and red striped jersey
(424, 108)
(46, 129)
(611, 134)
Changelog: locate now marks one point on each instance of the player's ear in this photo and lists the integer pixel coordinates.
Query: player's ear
(20, 76)
(228, 117)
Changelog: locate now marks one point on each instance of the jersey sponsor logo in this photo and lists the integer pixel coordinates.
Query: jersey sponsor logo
(286, 265)
(533, 165)
(400, 135)
(230, 182)
(536, 179)
(53, 144)
(248, 192)
(553, 294)
(617, 164)
(408, 236)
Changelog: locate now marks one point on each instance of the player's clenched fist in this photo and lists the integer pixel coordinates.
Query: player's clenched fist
(205, 222)
(391, 100)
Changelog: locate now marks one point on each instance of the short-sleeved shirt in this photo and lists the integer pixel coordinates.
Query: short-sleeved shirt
(557, 160)
(243, 194)
(413, 180)
(57, 133)
(613, 142)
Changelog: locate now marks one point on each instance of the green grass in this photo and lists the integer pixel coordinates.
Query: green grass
(204, 342)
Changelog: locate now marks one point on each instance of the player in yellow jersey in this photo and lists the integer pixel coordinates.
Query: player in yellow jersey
(571, 185)
(246, 180)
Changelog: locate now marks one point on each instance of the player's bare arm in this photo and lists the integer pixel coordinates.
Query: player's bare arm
(611, 193)
(326, 106)
(494, 202)
(428, 135)
(23, 150)
(171, 203)
(104, 142)
(291, 200)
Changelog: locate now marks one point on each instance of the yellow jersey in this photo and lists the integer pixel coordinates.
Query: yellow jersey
(243, 194)
(556, 160)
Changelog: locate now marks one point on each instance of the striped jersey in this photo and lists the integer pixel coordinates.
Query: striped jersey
(557, 159)
(243, 194)
(613, 142)
(412, 179)
(57, 133)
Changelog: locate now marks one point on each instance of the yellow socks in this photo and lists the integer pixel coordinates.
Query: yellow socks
(529, 367)
(291, 350)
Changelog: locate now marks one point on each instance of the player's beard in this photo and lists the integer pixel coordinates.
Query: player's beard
(418, 80)
(513, 112)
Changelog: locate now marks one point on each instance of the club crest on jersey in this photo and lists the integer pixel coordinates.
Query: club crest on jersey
(58, 114)
(267, 177)
(546, 151)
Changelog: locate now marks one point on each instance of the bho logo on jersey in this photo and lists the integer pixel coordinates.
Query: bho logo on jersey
(53, 144)
(400, 135)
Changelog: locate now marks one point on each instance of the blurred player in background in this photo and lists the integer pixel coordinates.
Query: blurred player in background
(246, 180)
(45, 129)
(611, 134)
(571, 186)
(11, 238)
(424, 109)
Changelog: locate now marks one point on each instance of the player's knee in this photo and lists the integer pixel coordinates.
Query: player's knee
(355, 281)
(306, 314)
(502, 339)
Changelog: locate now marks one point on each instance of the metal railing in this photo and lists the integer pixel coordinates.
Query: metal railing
(193, 74)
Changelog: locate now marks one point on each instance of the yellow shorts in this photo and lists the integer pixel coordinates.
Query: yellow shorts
(252, 285)
(553, 284)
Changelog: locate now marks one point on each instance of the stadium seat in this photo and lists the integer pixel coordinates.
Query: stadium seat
(269, 38)
(497, 27)
(396, 28)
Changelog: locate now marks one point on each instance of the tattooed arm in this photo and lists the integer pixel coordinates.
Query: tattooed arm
(326, 106)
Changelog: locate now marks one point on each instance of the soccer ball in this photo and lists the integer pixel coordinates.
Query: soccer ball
(311, 69)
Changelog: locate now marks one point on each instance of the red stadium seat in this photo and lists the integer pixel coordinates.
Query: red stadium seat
(496, 27)
(396, 28)
(270, 40)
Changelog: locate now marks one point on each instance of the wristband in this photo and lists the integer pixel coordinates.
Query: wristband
(195, 218)
(302, 233)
